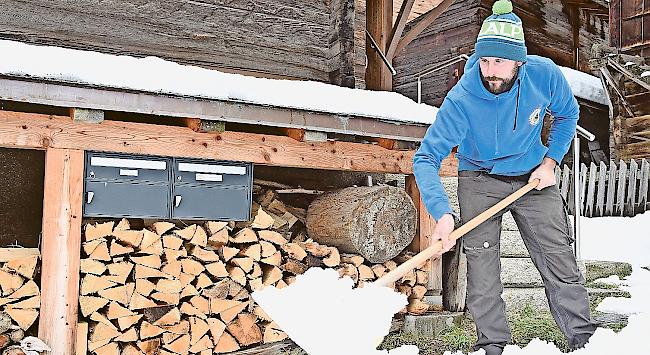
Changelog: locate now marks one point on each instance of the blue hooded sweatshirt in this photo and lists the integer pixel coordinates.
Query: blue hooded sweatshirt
(498, 134)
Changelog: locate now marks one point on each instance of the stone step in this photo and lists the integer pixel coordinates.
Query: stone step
(603, 269)
(519, 272)
(512, 245)
(518, 298)
(508, 223)
(431, 324)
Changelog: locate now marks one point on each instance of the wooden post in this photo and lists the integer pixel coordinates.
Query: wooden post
(379, 22)
(60, 249)
(454, 284)
(425, 226)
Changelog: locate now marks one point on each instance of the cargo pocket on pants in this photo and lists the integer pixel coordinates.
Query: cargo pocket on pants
(567, 221)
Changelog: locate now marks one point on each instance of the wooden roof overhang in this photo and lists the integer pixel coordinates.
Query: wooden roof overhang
(58, 131)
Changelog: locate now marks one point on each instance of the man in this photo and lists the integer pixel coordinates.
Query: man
(495, 115)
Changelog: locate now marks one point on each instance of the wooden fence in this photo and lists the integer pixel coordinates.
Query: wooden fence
(608, 189)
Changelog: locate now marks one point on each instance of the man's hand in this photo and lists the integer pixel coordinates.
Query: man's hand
(545, 173)
(444, 227)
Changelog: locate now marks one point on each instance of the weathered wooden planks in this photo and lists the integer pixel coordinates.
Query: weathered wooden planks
(282, 39)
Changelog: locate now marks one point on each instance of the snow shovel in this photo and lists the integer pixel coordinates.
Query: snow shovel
(324, 315)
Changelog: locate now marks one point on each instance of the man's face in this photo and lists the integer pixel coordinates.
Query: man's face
(498, 74)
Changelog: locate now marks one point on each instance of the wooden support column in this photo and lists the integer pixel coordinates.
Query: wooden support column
(425, 226)
(379, 23)
(574, 19)
(60, 249)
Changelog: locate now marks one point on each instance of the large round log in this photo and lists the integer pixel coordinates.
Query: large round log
(377, 222)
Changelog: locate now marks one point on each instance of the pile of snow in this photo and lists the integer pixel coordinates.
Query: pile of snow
(324, 315)
(152, 74)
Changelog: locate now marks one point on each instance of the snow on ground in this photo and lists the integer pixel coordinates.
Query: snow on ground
(621, 239)
(616, 239)
(151, 74)
(156, 75)
(325, 315)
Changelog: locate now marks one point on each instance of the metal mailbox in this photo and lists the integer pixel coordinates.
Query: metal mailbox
(215, 190)
(126, 186)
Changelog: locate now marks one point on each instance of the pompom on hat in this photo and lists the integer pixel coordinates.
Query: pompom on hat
(502, 34)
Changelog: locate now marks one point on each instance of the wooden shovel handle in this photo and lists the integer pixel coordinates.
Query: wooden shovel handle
(434, 249)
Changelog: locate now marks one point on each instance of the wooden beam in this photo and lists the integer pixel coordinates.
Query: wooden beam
(398, 28)
(425, 227)
(27, 130)
(60, 248)
(422, 25)
(379, 23)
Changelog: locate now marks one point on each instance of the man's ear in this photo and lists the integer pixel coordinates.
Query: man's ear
(520, 64)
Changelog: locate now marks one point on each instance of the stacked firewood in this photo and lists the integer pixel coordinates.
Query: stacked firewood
(167, 289)
(20, 297)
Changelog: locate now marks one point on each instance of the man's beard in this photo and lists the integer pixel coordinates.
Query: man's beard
(502, 85)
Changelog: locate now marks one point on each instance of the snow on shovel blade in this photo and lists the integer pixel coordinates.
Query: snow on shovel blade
(324, 315)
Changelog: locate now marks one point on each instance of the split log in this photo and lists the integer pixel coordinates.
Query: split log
(204, 255)
(245, 329)
(272, 236)
(262, 220)
(202, 281)
(23, 266)
(273, 333)
(127, 322)
(245, 235)
(376, 222)
(99, 230)
(162, 227)
(294, 251)
(226, 344)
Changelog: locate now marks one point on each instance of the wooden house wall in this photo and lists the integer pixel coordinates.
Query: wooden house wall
(454, 32)
(630, 26)
(268, 38)
(547, 30)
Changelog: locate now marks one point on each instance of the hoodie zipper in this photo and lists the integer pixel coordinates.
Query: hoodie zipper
(517, 106)
(496, 140)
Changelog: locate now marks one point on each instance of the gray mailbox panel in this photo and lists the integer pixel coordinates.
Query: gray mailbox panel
(211, 202)
(126, 199)
(217, 190)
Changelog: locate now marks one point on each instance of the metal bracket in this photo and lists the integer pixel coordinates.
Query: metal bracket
(374, 45)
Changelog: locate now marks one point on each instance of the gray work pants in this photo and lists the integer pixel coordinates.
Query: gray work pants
(543, 222)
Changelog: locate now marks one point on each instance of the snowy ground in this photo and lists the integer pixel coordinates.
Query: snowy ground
(613, 239)
(341, 310)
